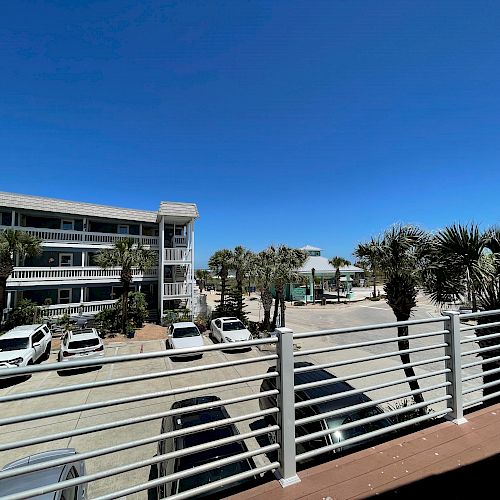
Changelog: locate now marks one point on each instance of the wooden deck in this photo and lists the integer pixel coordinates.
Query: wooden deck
(445, 461)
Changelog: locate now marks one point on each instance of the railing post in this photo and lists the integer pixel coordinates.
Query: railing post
(453, 350)
(286, 403)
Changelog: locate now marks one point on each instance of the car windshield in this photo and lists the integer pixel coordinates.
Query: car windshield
(233, 325)
(344, 434)
(82, 344)
(187, 331)
(13, 344)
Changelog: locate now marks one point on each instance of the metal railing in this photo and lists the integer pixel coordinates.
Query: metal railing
(93, 238)
(290, 398)
(24, 275)
(177, 289)
(178, 255)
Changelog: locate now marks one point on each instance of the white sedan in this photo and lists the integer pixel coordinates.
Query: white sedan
(183, 335)
(228, 330)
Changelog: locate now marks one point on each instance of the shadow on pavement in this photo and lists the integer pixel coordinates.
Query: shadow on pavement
(68, 372)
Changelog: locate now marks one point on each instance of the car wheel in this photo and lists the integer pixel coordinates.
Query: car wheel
(27, 377)
(46, 354)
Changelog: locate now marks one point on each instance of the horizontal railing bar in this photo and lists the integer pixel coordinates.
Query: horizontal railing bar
(195, 491)
(371, 373)
(482, 362)
(77, 457)
(132, 399)
(480, 327)
(379, 326)
(14, 372)
(479, 313)
(379, 432)
(346, 394)
(143, 463)
(367, 358)
(374, 418)
(361, 406)
(481, 387)
(133, 378)
(479, 338)
(368, 343)
(141, 419)
(480, 374)
(481, 349)
(482, 400)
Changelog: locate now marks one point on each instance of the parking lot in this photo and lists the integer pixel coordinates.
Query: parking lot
(300, 319)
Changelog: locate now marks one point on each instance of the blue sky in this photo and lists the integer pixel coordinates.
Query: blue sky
(285, 121)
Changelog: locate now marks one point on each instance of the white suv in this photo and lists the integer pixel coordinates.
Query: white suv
(25, 345)
(81, 343)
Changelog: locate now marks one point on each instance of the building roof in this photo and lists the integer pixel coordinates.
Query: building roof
(40, 203)
(322, 266)
(310, 248)
(176, 209)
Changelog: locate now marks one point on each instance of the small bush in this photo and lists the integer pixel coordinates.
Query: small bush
(299, 303)
(25, 313)
(175, 316)
(202, 322)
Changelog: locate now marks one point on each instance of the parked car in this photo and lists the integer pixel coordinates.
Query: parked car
(336, 404)
(228, 330)
(25, 345)
(186, 462)
(79, 344)
(24, 482)
(183, 335)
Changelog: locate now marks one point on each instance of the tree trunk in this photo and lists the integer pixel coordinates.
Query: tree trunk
(405, 359)
(474, 299)
(374, 283)
(267, 303)
(239, 302)
(276, 308)
(222, 292)
(126, 288)
(282, 309)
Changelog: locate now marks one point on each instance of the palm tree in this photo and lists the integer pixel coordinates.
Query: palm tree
(220, 263)
(459, 248)
(337, 262)
(127, 255)
(263, 266)
(14, 243)
(287, 262)
(241, 262)
(368, 255)
(202, 275)
(396, 255)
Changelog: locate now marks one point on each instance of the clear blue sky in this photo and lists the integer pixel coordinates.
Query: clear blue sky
(285, 121)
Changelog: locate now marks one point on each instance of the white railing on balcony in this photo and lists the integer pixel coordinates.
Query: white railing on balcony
(56, 310)
(59, 235)
(177, 255)
(25, 274)
(178, 289)
(180, 241)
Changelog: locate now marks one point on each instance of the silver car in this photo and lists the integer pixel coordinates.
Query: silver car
(24, 482)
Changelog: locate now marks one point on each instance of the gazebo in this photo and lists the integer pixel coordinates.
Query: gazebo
(317, 266)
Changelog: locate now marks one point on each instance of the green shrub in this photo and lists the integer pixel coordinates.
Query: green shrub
(25, 313)
(202, 322)
(299, 303)
(175, 316)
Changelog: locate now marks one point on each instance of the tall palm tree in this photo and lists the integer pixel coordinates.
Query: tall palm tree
(241, 263)
(14, 242)
(127, 255)
(287, 262)
(202, 275)
(368, 255)
(263, 267)
(460, 247)
(397, 257)
(220, 264)
(337, 262)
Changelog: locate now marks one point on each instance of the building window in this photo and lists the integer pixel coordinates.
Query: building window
(67, 225)
(64, 296)
(116, 292)
(122, 229)
(65, 259)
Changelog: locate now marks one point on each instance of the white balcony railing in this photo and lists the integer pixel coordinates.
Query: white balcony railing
(180, 241)
(177, 289)
(36, 274)
(60, 235)
(177, 255)
(56, 310)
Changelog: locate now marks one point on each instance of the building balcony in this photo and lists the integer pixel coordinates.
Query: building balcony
(179, 241)
(57, 310)
(177, 256)
(177, 290)
(60, 237)
(33, 276)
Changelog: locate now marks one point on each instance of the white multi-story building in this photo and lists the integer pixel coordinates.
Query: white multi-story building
(65, 278)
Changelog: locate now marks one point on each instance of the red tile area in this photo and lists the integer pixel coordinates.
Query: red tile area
(446, 459)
